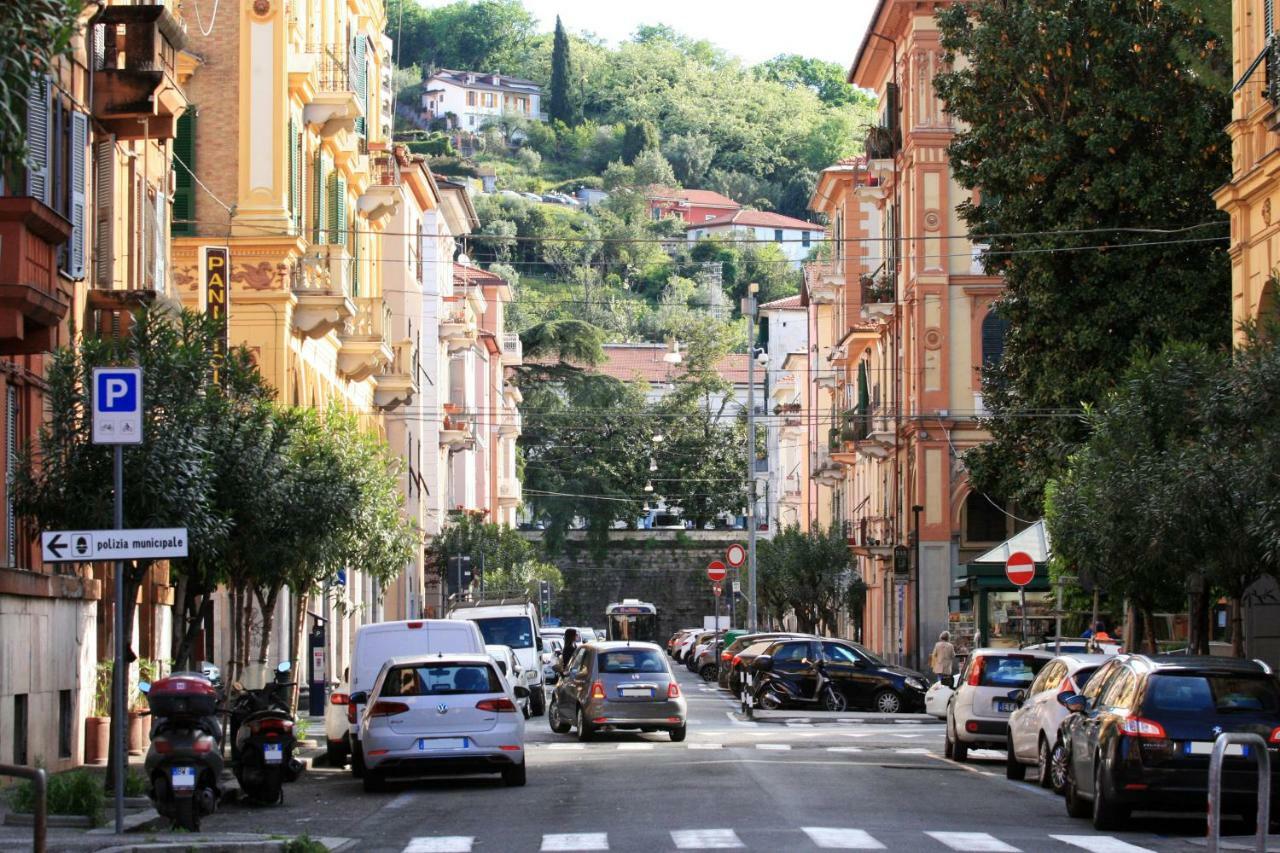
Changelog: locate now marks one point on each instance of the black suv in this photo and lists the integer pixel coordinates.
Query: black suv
(1141, 734)
(863, 681)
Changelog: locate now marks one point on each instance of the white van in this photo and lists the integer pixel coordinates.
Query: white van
(378, 642)
(514, 623)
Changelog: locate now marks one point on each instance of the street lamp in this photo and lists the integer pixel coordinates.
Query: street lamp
(749, 311)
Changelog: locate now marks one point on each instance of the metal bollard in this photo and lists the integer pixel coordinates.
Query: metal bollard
(1258, 748)
(38, 779)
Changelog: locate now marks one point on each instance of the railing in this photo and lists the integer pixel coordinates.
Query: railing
(372, 319)
(1257, 750)
(875, 531)
(331, 70)
(384, 170)
(857, 425)
(331, 270)
(877, 286)
(39, 782)
(882, 143)
(512, 348)
(1272, 86)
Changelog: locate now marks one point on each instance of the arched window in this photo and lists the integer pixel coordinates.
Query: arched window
(983, 520)
(994, 329)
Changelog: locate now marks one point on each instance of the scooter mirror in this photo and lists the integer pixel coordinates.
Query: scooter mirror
(144, 687)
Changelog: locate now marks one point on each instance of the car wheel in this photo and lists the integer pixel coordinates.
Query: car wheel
(708, 672)
(1013, 768)
(959, 751)
(1044, 764)
(537, 701)
(1058, 766)
(374, 782)
(335, 754)
(887, 702)
(1076, 807)
(514, 776)
(357, 761)
(558, 725)
(948, 748)
(586, 731)
(677, 735)
(1106, 813)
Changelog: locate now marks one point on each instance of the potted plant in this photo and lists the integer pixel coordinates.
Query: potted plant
(148, 671)
(97, 727)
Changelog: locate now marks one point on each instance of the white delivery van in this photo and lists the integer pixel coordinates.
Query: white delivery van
(378, 642)
(514, 623)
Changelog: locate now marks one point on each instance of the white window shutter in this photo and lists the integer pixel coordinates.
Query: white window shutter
(79, 151)
(38, 139)
(104, 241)
(158, 232)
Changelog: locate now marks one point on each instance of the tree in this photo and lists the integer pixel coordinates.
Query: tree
(690, 156)
(652, 168)
(560, 107)
(36, 34)
(484, 36)
(640, 136)
(809, 575)
(1082, 118)
(506, 562)
(825, 79)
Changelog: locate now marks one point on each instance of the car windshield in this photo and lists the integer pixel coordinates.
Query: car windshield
(513, 631)
(1208, 694)
(631, 660)
(440, 680)
(1010, 671)
(866, 654)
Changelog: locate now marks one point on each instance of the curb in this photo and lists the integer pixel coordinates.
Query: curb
(210, 844)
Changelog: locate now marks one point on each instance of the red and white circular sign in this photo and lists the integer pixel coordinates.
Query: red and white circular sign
(715, 590)
(716, 571)
(1020, 568)
(736, 555)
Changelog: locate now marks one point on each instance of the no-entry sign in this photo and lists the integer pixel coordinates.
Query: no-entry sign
(716, 571)
(1020, 568)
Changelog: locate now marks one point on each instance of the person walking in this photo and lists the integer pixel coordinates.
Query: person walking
(570, 646)
(943, 657)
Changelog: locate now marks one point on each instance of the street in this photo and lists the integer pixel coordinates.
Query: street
(795, 784)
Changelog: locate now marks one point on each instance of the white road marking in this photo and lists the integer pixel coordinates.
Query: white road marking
(566, 746)
(405, 799)
(705, 746)
(913, 751)
(733, 719)
(441, 844)
(1100, 844)
(973, 842)
(844, 749)
(842, 839)
(576, 841)
(635, 746)
(777, 746)
(706, 839)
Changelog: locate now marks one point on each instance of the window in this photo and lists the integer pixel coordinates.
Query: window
(488, 99)
(1211, 694)
(1100, 680)
(631, 660)
(513, 631)
(792, 651)
(1049, 678)
(804, 239)
(471, 120)
(64, 723)
(1010, 671)
(1121, 691)
(11, 443)
(656, 213)
(20, 728)
(983, 521)
(777, 235)
(708, 217)
(838, 654)
(442, 680)
(994, 330)
(471, 99)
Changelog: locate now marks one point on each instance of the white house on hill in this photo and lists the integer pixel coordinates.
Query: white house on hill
(473, 97)
(795, 237)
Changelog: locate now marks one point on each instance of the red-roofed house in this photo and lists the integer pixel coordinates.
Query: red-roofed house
(692, 206)
(795, 237)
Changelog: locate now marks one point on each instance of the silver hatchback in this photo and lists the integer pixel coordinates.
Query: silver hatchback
(618, 685)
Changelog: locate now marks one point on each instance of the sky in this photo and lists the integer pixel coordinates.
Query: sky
(753, 30)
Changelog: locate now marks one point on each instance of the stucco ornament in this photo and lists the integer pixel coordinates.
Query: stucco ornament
(1266, 211)
(262, 8)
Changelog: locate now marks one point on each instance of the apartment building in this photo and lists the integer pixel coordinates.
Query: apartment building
(469, 99)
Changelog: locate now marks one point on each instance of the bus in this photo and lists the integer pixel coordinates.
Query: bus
(632, 619)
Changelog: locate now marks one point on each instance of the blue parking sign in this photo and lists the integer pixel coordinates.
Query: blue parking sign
(117, 405)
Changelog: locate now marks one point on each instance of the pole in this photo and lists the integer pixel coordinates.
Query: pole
(919, 645)
(750, 304)
(120, 716)
(1022, 603)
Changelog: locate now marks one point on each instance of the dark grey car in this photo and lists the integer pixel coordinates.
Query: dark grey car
(618, 685)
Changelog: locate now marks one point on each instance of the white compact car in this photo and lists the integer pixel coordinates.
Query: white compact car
(986, 694)
(509, 666)
(444, 714)
(1033, 727)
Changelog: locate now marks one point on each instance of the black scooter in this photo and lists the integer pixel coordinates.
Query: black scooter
(262, 739)
(184, 761)
(770, 693)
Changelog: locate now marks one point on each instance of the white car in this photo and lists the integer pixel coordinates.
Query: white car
(1033, 727)
(516, 624)
(430, 715)
(985, 696)
(337, 728)
(510, 668)
(549, 658)
(937, 697)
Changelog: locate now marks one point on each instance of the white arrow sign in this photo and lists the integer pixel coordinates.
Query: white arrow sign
(83, 546)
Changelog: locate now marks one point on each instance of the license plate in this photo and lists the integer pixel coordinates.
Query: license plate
(1205, 747)
(1004, 706)
(435, 744)
(182, 778)
(636, 692)
(272, 753)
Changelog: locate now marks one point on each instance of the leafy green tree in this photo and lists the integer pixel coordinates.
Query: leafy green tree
(483, 36)
(36, 34)
(809, 575)
(825, 79)
(652, 168)
(560, 107)
(1081, 118)
(640, 136)
(506, 561)
(690, 156)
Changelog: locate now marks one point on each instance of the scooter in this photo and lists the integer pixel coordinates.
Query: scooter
(262, 739)
(770, 694)
(184, 762)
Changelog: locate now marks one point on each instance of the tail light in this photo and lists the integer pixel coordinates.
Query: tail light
(496, 705)
(975, 671)
(351, 713)
(339, 699)
(413, 625)
(271, 726)
(725, 656)
(673, 690)
(1274, 739)
(737, 659)
(204, 744)
(387, 709)
(597, 690)
(162, 746)
(1139, 727)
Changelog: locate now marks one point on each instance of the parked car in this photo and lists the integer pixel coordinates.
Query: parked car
(727, 677)
(509, 666)
(1077, 646)
(701, 641)
(677, 638)
(1033, 727)
(442, 714)
(618, 685)
(798, 670)
(1142, 740)
(532, 197)
(336, 728)
(549, 658)
(978, 714)
(938, 697)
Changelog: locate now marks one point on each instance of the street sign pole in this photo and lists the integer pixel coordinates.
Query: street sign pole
(749, 304)
(119, 716)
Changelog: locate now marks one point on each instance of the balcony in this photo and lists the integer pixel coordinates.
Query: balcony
(856, 426)
(881, 437)
(825, 470)
(510, 423)
(135, 79)
(509, 492)
(791, 485)
(365, 348)
(824, 290)
(398, 383)
(873, 536)
(458, 328)
(512, 349)
(457, 433)
(381, 198)
(321, 284)
(31, 305)
(336, 105)
(826, 379)
(878, 296)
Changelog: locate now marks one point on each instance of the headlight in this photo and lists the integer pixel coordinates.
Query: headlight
(915, 683)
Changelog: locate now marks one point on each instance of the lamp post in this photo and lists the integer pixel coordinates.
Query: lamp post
(749, 311)
(915, 512)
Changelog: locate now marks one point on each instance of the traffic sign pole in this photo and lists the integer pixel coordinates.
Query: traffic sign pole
(119, 717)
(1020, 568)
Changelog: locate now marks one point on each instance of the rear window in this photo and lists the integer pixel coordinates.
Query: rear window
(513, 631)
(441, 680)
(1010, 671)
(631, 660)
(1212, 694)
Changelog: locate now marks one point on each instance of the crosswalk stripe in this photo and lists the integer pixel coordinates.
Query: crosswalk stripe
(844, 749)
(566, 746)
(913, 751)
(1101, 844)
(706, 746)
(973, 842)
(842, 839)
(441, 844)
(775, 746)
(706, 839)
(576, 841)
(635, 746)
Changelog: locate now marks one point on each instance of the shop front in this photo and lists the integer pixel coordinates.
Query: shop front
(987, 609)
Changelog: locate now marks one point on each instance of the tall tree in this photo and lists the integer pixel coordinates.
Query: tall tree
(560, 107)
(1080, 119)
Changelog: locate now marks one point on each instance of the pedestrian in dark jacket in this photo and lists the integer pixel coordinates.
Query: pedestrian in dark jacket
(570, 646)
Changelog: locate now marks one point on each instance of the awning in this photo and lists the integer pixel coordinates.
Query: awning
(1034, 541)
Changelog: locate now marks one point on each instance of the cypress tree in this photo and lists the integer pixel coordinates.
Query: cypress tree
(561, 108)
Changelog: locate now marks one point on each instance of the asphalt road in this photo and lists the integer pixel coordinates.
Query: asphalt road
(824, 784)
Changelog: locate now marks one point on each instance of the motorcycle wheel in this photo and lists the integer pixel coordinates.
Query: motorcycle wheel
(833, 700)
(186, 815)
(769, 700)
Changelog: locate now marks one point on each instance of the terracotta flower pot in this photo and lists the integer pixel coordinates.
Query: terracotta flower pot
(97, 739)
(137, 733)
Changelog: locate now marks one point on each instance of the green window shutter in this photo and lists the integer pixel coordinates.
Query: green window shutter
(318, 197)
(1269, 16)
(355, 265)
(337, 219)
(184, 160)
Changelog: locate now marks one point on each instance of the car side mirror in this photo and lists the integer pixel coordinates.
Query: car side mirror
(859, 663)
(521, 691)
(1073, 702)
(360, 697)
(1018, 696)
(763, 663)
